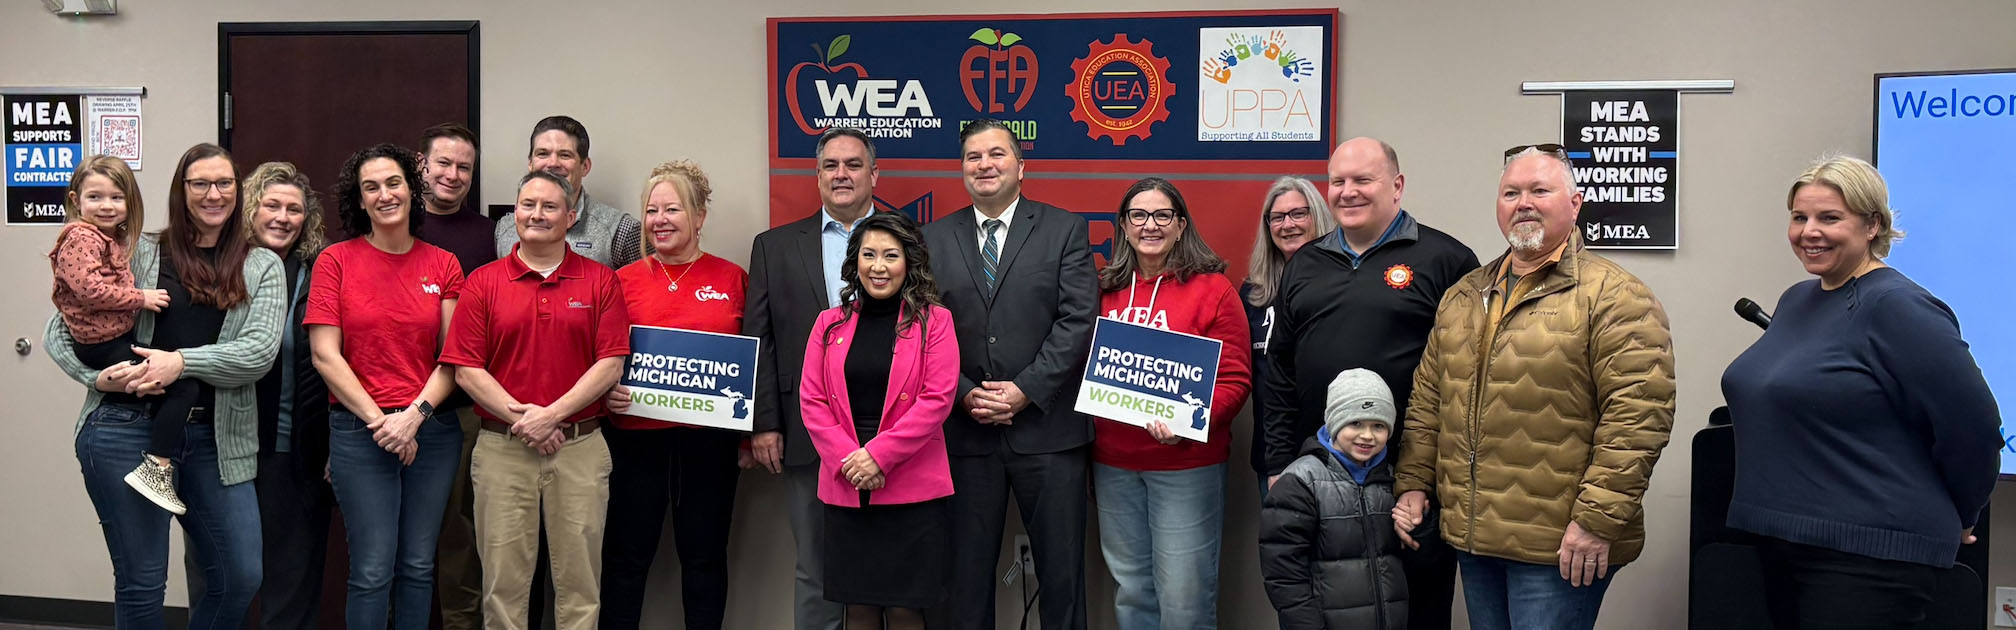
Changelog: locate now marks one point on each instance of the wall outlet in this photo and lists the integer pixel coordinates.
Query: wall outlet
(2005, 607)
(1026, 555)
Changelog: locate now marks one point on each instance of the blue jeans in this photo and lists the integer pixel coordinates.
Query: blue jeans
(1508, 594)
(392, 517)
(1160, 532)
(222, 523)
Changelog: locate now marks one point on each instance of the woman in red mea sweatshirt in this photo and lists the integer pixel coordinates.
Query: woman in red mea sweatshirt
(1161, 497)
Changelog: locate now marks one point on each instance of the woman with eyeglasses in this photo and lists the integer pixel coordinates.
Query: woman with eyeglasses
(221, 328)
(1293, 215)
(1161, 497)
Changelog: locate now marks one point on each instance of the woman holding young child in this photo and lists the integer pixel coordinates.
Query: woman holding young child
(220, 329)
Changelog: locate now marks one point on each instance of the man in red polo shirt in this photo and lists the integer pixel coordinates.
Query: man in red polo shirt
(537, 338)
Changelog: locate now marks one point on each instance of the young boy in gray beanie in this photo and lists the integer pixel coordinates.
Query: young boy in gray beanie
(1339, 492)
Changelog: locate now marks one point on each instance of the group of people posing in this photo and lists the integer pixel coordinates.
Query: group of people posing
(450, 384)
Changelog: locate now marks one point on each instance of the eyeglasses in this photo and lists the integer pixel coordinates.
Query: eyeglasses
(1297, 215)
(1559, 152)
(1162, 217)
(203, 186)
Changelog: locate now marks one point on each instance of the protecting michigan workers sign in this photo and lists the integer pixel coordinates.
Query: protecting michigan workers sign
(691, 377)
(1140, 374)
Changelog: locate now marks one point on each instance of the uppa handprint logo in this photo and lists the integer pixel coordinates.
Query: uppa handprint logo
(1243, 47)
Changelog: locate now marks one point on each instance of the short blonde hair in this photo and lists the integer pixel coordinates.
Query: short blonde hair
(686, 177)
(1862, 188)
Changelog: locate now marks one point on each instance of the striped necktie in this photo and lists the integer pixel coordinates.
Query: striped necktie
(990, 254)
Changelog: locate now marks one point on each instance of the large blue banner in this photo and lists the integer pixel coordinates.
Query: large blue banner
(1141, 374)
(692, 377)
(1235, 85)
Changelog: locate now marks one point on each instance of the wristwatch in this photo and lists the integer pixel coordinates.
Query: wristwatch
(426, 409)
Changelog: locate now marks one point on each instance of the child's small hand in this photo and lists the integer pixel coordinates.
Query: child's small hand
(154, 299)
(1408, 512)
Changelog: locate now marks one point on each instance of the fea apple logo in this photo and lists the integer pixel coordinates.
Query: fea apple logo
(1001, 60)
(821, 66)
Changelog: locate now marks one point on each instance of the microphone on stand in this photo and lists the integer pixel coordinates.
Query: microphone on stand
(1755, 314)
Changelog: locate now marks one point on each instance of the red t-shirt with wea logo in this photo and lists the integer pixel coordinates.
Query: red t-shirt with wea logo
(388, 307)
(709, 299)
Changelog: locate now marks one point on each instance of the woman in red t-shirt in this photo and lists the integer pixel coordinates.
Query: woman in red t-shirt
(378, 307)
(694, 469)
(1161, 498)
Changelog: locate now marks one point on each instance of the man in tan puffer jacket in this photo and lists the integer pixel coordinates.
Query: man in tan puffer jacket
(1541, 404)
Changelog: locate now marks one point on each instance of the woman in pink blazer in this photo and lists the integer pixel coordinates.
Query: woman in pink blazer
(879, 374)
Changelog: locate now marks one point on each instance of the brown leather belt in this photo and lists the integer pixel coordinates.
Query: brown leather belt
(571, 430)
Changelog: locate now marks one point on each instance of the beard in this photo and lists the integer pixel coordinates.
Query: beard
(1526, 237)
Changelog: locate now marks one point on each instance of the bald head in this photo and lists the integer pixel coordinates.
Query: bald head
(1365, 188)
(1366, 148)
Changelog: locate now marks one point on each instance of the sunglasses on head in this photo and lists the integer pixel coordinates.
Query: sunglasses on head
(1559, 152)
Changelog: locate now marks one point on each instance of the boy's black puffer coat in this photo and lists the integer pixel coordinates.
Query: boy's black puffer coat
(1327, 546)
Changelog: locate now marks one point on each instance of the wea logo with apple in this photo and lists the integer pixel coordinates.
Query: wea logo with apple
(843, 95)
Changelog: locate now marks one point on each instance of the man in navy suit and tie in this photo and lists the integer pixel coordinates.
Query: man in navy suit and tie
(1017, 275)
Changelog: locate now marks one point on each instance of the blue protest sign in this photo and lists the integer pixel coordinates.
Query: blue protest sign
(692, 377)
(1138, 374)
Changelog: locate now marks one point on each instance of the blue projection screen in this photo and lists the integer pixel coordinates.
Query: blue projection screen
(1946, 144)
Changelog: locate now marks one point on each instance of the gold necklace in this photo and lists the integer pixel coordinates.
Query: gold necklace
(667, 270)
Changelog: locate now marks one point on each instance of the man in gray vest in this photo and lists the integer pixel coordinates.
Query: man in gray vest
(602, 233)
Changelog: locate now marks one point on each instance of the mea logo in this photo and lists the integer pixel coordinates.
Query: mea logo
(1615, 232)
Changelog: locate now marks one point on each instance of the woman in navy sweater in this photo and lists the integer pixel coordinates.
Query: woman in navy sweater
(1866, 437)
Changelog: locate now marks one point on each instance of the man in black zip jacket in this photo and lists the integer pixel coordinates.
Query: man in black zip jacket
(1363, 296)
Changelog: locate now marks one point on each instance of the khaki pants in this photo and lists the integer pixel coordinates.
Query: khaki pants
(458, 574)
(513, 485)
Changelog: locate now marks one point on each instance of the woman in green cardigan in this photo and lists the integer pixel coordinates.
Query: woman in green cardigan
(221, 327)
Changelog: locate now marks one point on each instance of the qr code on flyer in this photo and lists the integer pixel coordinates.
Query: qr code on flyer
(119, 136)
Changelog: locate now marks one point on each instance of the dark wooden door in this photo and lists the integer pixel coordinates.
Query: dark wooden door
(312, 93)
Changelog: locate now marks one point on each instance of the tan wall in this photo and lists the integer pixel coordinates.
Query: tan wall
(656, 80)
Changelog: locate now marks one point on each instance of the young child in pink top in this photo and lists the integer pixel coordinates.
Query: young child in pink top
(96, 296)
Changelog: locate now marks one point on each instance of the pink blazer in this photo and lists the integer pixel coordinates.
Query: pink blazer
(909, 446)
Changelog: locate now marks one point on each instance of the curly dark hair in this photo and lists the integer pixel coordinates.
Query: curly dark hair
(919, 292)
(350, 194)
